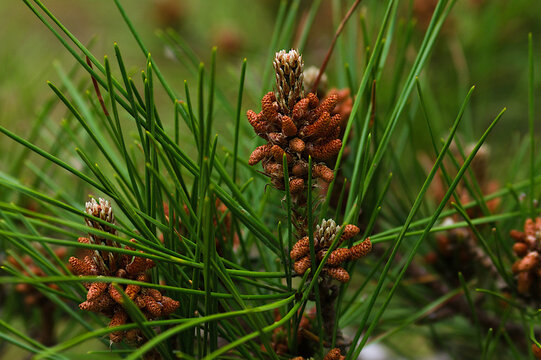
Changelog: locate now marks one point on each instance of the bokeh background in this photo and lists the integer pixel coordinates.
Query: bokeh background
(484, 43)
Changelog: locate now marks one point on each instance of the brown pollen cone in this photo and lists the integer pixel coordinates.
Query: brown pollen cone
(334, 354)
(296, 126)
(300, 249)
(527, 268)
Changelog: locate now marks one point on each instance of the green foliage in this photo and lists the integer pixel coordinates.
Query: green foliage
(221, 243)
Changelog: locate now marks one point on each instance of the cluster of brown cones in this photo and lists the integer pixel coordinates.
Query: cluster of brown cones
(222, 222)
(457, 249)
(34, 298)
(106, 298)
(295, 125)
(527, 268)
(279, 340)
(28, 267)
(323, 238)
(344, 102)
(333, 354)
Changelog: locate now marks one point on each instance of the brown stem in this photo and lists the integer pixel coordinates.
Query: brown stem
(328, 293)
(47, 336)
(97, 89)
(373, 101)
(333, 43)
(313, 337)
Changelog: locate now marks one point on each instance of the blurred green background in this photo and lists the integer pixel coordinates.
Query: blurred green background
(484, 43)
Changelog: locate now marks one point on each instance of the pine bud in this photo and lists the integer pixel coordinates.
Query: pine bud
(289, 69)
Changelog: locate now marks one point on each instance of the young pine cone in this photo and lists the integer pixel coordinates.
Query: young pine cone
(295, 126)
(324, 236)
(527, 269)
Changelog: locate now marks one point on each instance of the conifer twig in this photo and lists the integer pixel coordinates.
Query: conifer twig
(333, 43)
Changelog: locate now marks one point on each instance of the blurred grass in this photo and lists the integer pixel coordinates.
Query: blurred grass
(481, 45)
(29, 51)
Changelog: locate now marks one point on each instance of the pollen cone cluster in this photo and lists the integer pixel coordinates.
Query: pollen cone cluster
(333, 354)
(31, 295)
(323, 238)
(34, 298)
(295, 125)
(343, 107)
(344, 102)
(106, 298)
(456, 250)
(527, 269)
(222, 223)
(279, 339)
